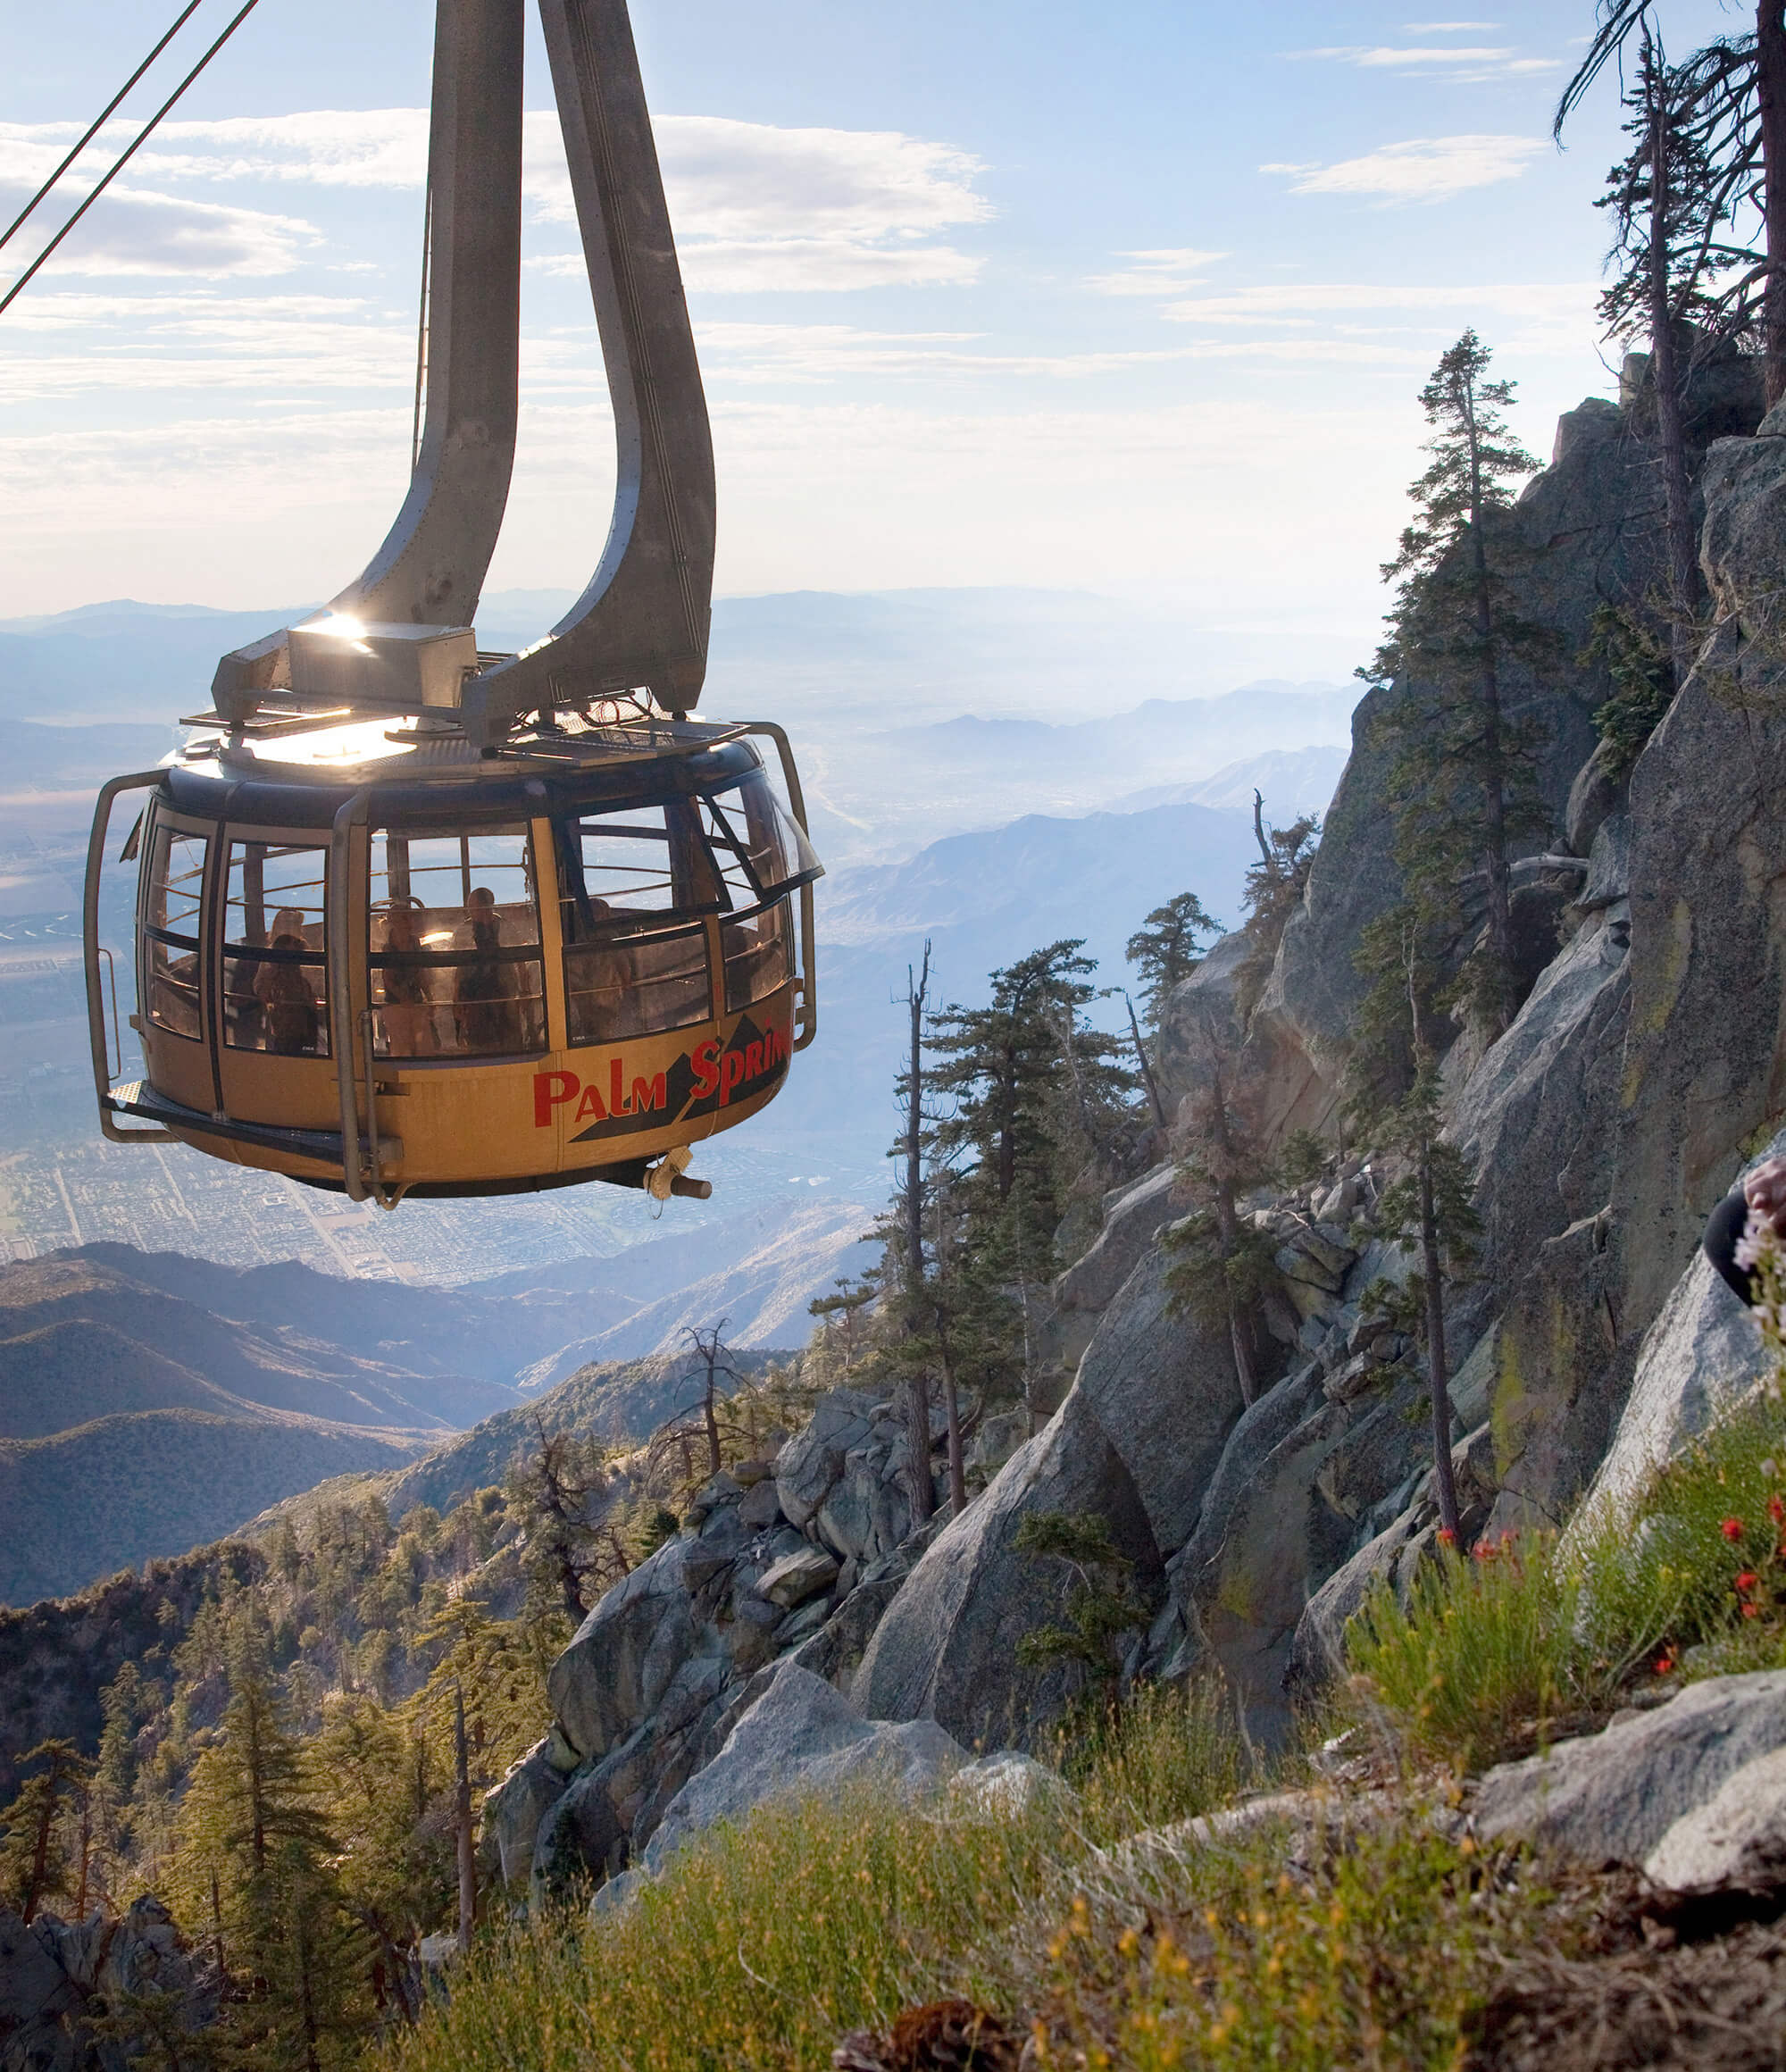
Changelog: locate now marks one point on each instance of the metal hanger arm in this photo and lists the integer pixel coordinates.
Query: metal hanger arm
(643, 619)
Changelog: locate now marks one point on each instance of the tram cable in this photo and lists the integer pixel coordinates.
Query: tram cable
(129, 151)
(98, 123)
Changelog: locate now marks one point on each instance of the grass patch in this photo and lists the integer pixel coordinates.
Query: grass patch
(1371, 1951)
(1482, 1651)
(762, 1945)
(1167, 1752)
(759, 1947)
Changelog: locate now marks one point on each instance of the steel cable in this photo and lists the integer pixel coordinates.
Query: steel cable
(99, 122)
(123, 159)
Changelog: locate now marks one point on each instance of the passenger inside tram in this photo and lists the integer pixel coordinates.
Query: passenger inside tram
(408, 1007)
(287, 999)
(607, 976)
(484, 1012)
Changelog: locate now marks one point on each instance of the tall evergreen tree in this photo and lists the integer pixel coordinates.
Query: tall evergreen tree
(37, 1846)
(253, 1873)
(1272, 890)
(1223, 1269)
(1670, 201)
(999, 1066)
(1164, 949)
(1731, 101)
(554, 1494)
(1463, 784)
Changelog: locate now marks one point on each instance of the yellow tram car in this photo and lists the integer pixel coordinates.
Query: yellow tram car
(372, 960)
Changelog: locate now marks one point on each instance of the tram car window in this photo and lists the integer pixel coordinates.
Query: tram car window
(174, 909)
(275, 962)
(455, 960)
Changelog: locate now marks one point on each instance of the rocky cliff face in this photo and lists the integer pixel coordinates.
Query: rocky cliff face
(1647, 1059)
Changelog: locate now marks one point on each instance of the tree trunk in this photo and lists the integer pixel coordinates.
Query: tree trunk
(1499, 935)
(40, 1854)
(1683, 569)
(1270, 861)
(917, 1393)
(1228, 1235)
(86, 1850)
(957, 1472)
(710, 1418)
(1438, 1379)
(461, 1806)
(1770, 72)
(1153, 1100)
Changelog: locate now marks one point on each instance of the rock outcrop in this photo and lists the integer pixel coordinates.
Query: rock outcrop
(51, 1970)
(1614, 1796)
(1648, 1053)
(946, 1647)
(802, 1736)
(792, 1561)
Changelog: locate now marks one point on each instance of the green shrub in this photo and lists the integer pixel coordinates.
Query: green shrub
(1484, 1647)
(1168, 1752)
(1373, 1957)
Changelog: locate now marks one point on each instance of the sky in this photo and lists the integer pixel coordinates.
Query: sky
(1134, 298)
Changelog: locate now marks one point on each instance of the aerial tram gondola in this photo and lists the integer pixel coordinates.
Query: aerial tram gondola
(417, 919)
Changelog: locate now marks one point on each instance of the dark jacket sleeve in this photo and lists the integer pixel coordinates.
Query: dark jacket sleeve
(1723, 1227)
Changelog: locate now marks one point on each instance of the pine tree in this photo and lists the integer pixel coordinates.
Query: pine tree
(552, 1494)
(38, 1853)
(840, 1316)
(1669, 200)
(1164, 949)
(252, 1874)
(1101, 1604)
(999, 1064)
(1728, 102)
(1273, 891)
(1463, 784)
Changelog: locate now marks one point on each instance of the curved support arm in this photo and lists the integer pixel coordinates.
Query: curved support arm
(433, 563)
(643, 621)
(432, 566)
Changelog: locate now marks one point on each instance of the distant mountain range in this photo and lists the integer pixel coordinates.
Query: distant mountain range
(149, 1401)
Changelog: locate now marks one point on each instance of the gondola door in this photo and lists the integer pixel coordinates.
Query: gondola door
(270, 985)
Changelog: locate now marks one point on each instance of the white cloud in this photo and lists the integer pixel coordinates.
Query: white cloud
(112, 343)
(1424, 169)
(756, 208)
(1459, 63)
(761, 209)
(756, 353)
(138, 230)
(384, 147)
(1165, 271)
(1529, 316)
(795, 265)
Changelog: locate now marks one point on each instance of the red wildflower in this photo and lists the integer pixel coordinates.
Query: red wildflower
(1747, 1580)
(1751, 1611)
(1446, 1537)
(1776, 1509)
(1664, 1665)
(1732, 1528)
